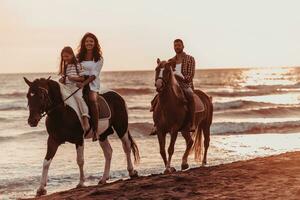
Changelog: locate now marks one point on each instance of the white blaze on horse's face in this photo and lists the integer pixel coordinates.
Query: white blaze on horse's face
(159, 81)
(161, 73)
(35, 99)
(34, 115)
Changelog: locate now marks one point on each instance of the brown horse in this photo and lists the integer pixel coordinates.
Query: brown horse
(170, 116)
(63, 125)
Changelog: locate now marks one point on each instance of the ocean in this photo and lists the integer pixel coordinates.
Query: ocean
(256, 113)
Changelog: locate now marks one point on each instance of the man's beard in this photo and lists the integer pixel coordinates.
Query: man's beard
(178, 51)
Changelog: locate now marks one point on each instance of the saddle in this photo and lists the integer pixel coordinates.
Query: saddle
(104, 110)
(103, 107)
(199, 106)
(104, 116)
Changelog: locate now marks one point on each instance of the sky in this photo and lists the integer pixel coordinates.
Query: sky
(133, 33)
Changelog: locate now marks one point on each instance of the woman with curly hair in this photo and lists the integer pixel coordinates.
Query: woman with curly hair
(90, 57)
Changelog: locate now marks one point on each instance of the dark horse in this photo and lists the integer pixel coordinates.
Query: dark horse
(63, 125)
(170, 116)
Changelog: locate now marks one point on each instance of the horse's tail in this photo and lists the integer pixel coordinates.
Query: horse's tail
(135, 149)
(205, 120)
(198, 144)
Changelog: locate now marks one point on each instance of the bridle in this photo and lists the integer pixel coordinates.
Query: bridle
(45, 108)
(49, 103)
(164, 82)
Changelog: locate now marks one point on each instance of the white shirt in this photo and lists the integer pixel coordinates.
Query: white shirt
(178, 70)
(92, 68)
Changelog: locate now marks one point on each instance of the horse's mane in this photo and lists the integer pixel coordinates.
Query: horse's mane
(176, 87)
(53, 89)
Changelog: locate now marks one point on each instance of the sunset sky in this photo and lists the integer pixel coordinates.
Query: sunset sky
(133, 33)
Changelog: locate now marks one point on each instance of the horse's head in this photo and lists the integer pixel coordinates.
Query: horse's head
(163, 74)
(38, 99)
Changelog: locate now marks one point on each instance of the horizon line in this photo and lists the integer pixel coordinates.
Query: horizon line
(148, 70)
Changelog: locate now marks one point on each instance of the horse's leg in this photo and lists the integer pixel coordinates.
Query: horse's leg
(189, 143)
(107, 150)
(80, 162)
(171, 151)
(126, 143)
(206, 132)
(162, 143)
(51, 150)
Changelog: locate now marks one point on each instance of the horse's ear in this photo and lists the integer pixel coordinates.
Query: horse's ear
(27, 81)
(48, 78)
(158, 61)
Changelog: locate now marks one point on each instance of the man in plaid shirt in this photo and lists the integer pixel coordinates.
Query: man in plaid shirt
(184, 72)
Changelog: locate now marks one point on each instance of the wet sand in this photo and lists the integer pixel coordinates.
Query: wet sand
(274, 177)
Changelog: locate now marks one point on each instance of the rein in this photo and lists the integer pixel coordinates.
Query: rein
(47, 112)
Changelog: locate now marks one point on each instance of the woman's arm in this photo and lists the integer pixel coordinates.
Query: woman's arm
(87, 81)
(93, 74)
(62, 79)
(76, 79)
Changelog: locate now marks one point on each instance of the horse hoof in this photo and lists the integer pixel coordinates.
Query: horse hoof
(102, 181)
(80, 185)
(184, 166)
(170, 170)
(134, 174)
(41, 192)
(204, 163)
(167, 171)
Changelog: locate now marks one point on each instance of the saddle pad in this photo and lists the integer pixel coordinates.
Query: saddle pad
(104, 110)
(199, 106)
(105, 115)
(103, 125)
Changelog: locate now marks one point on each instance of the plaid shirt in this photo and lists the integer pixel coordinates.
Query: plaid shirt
(187, 70)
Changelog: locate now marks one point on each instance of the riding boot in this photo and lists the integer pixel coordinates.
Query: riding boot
(190, 126)
(94, 118)
(191, 108)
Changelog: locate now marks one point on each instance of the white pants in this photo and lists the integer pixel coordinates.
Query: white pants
(78, 96)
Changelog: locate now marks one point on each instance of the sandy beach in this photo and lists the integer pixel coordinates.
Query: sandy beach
(274, 177)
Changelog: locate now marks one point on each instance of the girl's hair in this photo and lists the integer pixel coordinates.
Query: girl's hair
(63, 67)
(97, 53)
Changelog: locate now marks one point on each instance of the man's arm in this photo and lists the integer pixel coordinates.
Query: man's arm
(190, 70)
